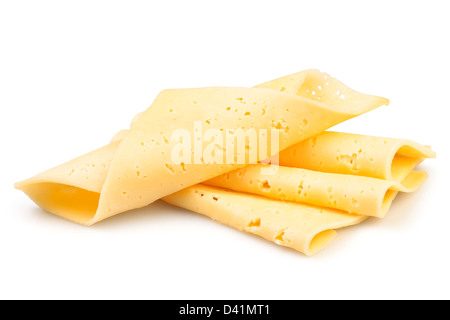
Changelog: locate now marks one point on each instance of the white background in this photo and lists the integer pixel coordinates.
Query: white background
(72, 73)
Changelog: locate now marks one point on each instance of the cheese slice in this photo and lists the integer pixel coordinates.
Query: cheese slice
(138, 169)
(357, 194)
(302, 227)
(350, 172)
(363, 155)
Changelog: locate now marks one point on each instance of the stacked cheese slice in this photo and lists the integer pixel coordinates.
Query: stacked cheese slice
(324, 181)
(328, 182)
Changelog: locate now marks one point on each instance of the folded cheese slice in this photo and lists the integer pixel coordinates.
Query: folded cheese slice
(138, 169)
(357, 194)
(363, 155)
(305, 228)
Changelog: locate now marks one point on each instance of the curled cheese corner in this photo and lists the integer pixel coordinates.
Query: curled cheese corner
(136, 168)
(302, 227)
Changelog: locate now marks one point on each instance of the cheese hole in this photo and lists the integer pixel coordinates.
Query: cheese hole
(254, 223)
(170, 168)
(330, 192)
(300, 188)
(280, 125)
(279, 238)
(350, 160)
(264, 184)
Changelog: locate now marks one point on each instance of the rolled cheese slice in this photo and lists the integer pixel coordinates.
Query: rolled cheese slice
(362, 155)
(138, 169)
(356, 194)
(302, 227)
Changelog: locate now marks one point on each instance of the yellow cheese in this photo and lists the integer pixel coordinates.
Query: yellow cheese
(350, 193)
(302, 227)
(360, 174)
(138, 169)
(346, 153)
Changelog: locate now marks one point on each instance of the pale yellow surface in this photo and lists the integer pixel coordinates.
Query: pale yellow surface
(136, 169)
(350, 193)
(346, 153)
(302, 227)
(72, 190)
